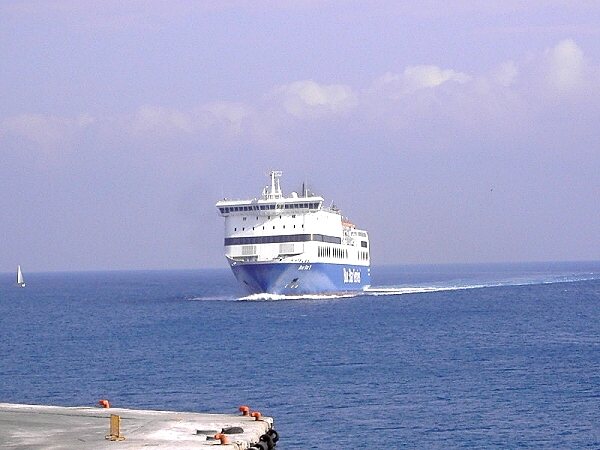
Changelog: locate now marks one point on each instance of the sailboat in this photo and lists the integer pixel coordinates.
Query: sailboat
(20, 281)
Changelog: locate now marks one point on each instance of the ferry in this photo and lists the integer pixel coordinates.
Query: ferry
(293, 245)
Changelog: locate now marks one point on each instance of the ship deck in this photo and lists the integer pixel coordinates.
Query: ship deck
(58, 427)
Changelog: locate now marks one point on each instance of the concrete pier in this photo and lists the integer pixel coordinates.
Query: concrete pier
(57, 427)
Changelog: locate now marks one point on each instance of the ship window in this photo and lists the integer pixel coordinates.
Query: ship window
(363, 244)
(294, 226)
(293, 216)
(273, 226)
(243, 228)
(284, 227)
(251, 240)
(244, 218)
(235, 229)
(252, 228)
(263, 227)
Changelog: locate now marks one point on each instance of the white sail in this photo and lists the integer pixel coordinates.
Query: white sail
(20, 280)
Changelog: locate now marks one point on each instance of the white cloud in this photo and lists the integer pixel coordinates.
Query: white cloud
(415, 78)
(46, 131)
(566, 66)
(159, 120)
(227, 114)
(506, 74)
(419, 77)
(309, 99)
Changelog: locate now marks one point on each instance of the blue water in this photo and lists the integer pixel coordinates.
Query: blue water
(490, 356)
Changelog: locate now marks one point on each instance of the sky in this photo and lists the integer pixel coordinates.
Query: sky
(461, 131)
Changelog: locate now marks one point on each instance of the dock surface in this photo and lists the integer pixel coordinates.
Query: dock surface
(59, 427)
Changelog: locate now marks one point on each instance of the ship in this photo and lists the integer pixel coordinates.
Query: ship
(293, 245)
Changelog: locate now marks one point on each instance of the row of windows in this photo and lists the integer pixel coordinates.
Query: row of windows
(363, 256)
(228, 209)
(332, 252)
(282, 238)
(283, 226)
(268, 217)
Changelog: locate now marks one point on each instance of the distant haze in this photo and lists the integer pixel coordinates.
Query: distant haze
(460, 131)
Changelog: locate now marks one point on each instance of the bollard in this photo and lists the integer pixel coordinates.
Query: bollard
(222, 437)
(115, 429)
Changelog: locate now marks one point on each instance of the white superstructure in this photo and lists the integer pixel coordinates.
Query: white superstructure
(296, 229)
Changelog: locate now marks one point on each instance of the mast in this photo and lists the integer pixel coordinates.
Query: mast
(275, 191)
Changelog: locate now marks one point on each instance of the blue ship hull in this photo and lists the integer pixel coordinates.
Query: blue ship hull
(301, 278)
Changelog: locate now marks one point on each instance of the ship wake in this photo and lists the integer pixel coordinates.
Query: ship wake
(275, 297)
(377, 291)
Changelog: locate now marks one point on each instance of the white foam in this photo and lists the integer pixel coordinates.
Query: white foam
(376, 291)
(397, 290)
(273, 297)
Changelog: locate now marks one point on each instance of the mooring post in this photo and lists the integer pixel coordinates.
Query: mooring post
(115, 428)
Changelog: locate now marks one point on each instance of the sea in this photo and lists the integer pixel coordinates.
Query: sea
(499, 356)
